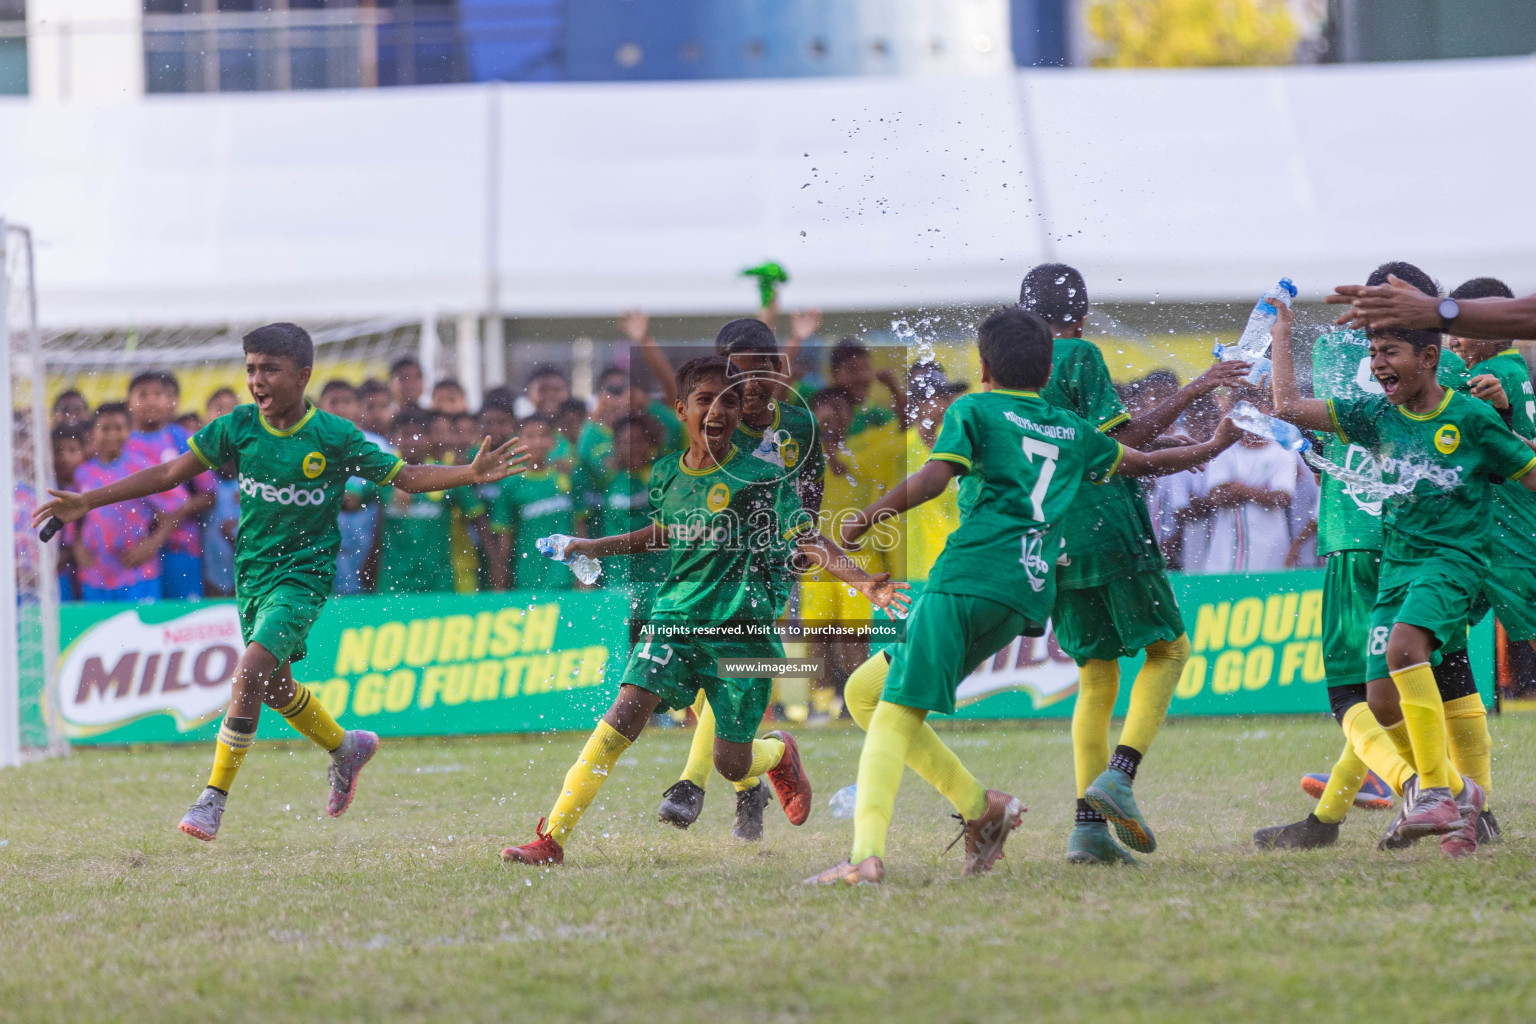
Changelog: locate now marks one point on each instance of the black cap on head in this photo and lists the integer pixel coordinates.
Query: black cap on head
(1056, 293)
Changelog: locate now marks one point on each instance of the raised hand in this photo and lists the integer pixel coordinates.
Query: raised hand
(1227, 433)
(636, 326)
(66, 507)
(804, 323)
(491, 465)
(1226, 374)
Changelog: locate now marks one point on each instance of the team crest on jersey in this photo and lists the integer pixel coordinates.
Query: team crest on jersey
(790, 452)
(314, 464)
(718, 497)
(1447, 438)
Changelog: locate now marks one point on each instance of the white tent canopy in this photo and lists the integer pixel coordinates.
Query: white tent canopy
(875, 192)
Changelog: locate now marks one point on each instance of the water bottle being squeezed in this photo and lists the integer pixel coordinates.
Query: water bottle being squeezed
(1253, 346)
(555, 545)
(1286, 435)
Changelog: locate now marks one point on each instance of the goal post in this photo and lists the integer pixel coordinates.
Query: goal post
(29, 597)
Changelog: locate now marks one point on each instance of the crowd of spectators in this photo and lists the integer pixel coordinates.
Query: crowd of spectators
(1252, 509)
(589, 460)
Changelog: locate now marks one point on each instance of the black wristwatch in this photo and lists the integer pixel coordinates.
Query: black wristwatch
(1449, 310)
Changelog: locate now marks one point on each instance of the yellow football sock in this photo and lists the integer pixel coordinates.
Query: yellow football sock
(1424, 715)
(309, 717)
(766, 755)
(1397, 732)
(1098, 684)
(934, 762)
(1152, 692)
(701, 752)
(228, 754)
(1375, 747)
(585, 778)
(1343, 783)
(1471, 748)
(891, 729)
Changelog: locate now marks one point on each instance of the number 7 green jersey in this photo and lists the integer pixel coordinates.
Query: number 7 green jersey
(1022, 460)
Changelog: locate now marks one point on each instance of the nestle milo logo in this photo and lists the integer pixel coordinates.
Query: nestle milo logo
(122, 669)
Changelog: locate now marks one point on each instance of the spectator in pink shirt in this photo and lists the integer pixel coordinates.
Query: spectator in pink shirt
(118, 551)
(153, 397)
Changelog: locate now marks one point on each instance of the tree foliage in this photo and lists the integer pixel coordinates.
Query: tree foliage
(1191, 33)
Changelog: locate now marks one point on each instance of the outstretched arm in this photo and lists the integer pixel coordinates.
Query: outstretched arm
(1175, 460)
(1148, 426)
(1398, 304)
(67, 506)
(650, 537)
(924, 485)
(877, 587)
(1307, 413)
(489, 466)
(637, 328)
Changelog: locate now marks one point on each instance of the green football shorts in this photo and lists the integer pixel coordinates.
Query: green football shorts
(1118, 619)
(1436, 601)
(280, 619)
(948, 635)
(676, 670)
(1511, 593)
(1349, 594)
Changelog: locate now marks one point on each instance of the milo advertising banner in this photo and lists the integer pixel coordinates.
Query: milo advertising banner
(451, 664)
(400, 666)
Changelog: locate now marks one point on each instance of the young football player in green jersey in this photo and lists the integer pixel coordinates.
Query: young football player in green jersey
(626, 506)
(1350, 536)
(293, 462)
(535, 503)
(1439, 450)
(724, 518)
(1022, 460)
(778, 428)
(415, 530)
(1113, 598)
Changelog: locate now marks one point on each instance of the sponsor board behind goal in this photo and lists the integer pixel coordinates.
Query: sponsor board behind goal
(448, 664)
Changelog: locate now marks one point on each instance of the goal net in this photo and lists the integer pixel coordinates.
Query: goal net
(29, 599)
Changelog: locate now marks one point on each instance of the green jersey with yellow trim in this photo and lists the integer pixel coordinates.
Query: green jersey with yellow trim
(1022, 460)
(416, 535)
(1514, 507)
(291, 486)
(793, 440)
(1347, 518)
(530, 505)
(1109, 531)
(727, 531)
(1445, 460)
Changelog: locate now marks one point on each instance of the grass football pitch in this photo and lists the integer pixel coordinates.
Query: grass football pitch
(401, 910)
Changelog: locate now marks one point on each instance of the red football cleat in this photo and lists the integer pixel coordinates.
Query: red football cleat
(543, 849)
(790, 782)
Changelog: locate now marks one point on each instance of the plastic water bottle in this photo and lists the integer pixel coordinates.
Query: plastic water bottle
(554, 546)
(843, 800)
(1253, 346)
(1247, 416)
